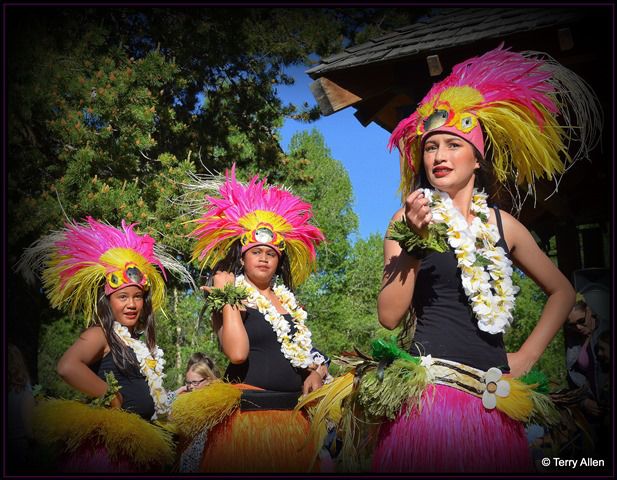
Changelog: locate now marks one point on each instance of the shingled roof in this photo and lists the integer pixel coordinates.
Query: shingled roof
(445, 28)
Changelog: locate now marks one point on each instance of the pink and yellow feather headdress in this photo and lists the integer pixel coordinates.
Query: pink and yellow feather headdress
(78, 260)
(508, 104)
(256, 214)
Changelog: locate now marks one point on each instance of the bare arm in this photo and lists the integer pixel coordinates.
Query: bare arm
(400, 269)
(397, 285)
(74, 368)
(561, 296)
(229, 325)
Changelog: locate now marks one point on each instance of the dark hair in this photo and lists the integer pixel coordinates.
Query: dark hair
(233, 263)
(199, 357)
(120, 352)
(284, 271)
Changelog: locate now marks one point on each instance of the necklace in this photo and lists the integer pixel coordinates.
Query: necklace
(151, 366)
(297, 348)
(486, 271)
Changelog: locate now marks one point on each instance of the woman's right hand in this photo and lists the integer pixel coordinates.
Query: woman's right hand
(417, 212)
(219, 280)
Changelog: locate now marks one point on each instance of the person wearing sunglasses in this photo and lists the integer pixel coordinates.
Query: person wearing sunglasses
(200, 372)
(584, 368)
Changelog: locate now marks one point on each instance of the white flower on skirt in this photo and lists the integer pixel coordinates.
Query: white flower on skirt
(494, 387)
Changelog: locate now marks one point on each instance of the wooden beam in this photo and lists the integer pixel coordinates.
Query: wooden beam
(331, 97)
(369, 110)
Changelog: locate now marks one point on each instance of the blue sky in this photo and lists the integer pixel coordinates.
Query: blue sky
(373, 171)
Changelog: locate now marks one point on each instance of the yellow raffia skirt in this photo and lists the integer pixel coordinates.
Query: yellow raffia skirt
(259, 441)
(103, 440)
(255, 441)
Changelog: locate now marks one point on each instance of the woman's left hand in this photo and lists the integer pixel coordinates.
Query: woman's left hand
(519, 363)
(312, 382)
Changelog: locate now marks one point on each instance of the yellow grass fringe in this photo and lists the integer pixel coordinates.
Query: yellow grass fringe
(71, 423)
(518, 404)
(204, 408)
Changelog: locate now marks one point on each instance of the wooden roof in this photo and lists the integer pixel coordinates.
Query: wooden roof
(448, 28)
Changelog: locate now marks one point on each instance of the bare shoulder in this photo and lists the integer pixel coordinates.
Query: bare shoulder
(93, 333)
(514, 231)
(506, 218)
(95, 336)
(90, 346)
(398, 214)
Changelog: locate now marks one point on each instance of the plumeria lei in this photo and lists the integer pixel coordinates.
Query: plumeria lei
(151, 366)
(486, 271)
(297, 348)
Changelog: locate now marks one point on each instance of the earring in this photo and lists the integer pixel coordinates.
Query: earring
(274, 280)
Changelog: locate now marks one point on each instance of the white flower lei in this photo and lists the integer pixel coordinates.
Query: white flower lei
(151, 367)
(296, 349)
(490, 290)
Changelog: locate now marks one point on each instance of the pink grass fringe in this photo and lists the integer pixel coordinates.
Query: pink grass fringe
(454, 433)
(84, 244)
(95, 459)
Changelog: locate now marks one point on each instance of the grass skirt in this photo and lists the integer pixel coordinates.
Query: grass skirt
(260, 441)
(95, 458)
(88, 439)
(452, 433)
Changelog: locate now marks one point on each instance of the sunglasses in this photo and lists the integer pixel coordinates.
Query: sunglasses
(579, 321)
(194, 383)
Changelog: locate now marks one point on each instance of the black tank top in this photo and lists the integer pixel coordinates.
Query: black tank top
(135, 391)
(266, 366)
(446, 325)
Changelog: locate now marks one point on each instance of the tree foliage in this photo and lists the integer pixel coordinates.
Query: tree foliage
(111, 110)
(529, 304)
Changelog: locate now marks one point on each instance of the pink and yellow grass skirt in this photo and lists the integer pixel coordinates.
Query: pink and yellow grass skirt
(452, 433)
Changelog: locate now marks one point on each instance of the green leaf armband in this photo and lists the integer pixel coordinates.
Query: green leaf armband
(414, 244)
(228, 295)
(113, 387)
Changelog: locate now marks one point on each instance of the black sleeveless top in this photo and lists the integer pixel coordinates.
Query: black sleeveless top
(446, 325)
(266, 366)
(135, 392)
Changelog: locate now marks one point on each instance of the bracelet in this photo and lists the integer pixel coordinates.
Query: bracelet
(414, 244)
(113, 387)
(228, 295)
(323, 377)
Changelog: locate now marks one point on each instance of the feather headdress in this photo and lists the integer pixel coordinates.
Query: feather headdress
(256, 214)
(76, 261)
(508, 104)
